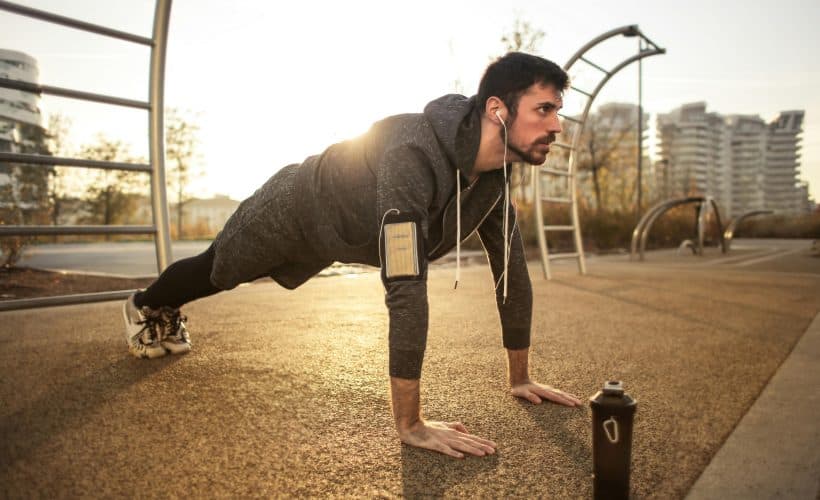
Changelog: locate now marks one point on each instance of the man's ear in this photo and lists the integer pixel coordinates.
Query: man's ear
(495, 105)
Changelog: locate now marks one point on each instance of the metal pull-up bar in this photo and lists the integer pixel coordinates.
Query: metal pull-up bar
(156, 168)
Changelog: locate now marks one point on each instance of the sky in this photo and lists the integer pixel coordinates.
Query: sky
(271, 83)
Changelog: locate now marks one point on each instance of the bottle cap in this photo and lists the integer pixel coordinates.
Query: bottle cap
(613, 388)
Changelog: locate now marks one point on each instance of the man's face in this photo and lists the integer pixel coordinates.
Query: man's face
(536, 124)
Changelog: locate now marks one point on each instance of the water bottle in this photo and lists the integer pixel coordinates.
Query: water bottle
(612, 414)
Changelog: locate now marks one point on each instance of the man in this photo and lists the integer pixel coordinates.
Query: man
(403, 194)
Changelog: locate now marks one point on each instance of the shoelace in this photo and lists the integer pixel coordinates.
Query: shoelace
(153, 324)
(173, 318)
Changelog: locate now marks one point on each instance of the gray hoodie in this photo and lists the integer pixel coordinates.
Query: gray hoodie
(407, 163)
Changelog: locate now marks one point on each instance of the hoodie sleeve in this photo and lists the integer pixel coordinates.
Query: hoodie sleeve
(405, 183)
(516, 313)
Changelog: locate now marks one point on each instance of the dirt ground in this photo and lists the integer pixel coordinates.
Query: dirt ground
(25, 282)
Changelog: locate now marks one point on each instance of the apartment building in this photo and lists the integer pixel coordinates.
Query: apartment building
(740, 160)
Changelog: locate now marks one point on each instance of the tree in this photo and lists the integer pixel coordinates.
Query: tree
(607, 151)
(181, 143)
(523, 37)
(57, 143)
(111, 196)
(24, 197)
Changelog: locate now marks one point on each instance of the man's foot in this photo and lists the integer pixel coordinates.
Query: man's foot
(175, 336)
(143, 330)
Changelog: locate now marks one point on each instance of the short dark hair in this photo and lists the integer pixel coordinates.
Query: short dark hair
(509, 76)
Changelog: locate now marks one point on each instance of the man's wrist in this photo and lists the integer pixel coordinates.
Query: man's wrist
(406, 407)
(408, 426)
(517, 382)
(518, 366)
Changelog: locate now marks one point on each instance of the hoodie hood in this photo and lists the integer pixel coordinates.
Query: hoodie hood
(456, 122)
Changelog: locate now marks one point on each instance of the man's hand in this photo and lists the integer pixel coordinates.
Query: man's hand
(450, 438)
(535, 393)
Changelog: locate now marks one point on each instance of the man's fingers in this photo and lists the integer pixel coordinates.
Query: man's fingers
(575, 399)
(558, 397)
(458, 426)
(480, 443)
(533, 398)
(443, 448)
(483, 441)
(467, 447)
(485, 444)
(486, 448)
(572, 397)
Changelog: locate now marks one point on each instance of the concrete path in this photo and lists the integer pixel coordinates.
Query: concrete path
(285, 393)
(774, 452)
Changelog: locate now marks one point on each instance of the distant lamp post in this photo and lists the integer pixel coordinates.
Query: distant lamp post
(641, 49)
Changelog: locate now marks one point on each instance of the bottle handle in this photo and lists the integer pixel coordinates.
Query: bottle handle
(611, 431)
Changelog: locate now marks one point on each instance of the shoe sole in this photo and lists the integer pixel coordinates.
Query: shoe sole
(176, 348)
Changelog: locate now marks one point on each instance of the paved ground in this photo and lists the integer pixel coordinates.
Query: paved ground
(286, 391)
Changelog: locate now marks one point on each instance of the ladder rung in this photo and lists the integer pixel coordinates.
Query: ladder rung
(580, 91)
(561, 145)
(559, 228)
(595, 65)
(556, 171)
(52, 161)
(576, 120)
(556, 256)
(73, 94)
(556, 200)
(74, 23)
(73, 230)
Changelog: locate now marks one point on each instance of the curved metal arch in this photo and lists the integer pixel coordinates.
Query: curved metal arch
(729, 233)
(629, 30)
(641, 232)
(665, 207)
(661, 207)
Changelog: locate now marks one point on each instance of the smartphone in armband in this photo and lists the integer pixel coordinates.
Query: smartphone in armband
(402, 248)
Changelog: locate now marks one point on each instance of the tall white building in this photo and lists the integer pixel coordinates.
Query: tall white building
(747, 148)
(782, 191)
(693, 146)
(740, 160)
(17, 106)
(23, 189)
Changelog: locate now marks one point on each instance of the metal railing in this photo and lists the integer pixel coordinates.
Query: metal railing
(156, 168)
(640, 234)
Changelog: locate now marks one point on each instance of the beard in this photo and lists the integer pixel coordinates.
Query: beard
(531, 154)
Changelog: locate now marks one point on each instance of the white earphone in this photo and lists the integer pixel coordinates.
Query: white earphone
(498, 114)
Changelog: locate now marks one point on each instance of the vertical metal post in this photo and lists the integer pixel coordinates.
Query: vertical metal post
(640, 130)
(159, 198)
(539, 217)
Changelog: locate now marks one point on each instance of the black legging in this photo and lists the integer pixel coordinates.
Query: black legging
(183, 281)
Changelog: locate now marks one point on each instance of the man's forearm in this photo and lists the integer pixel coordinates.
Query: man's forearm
(406, 406)
(518, 365)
